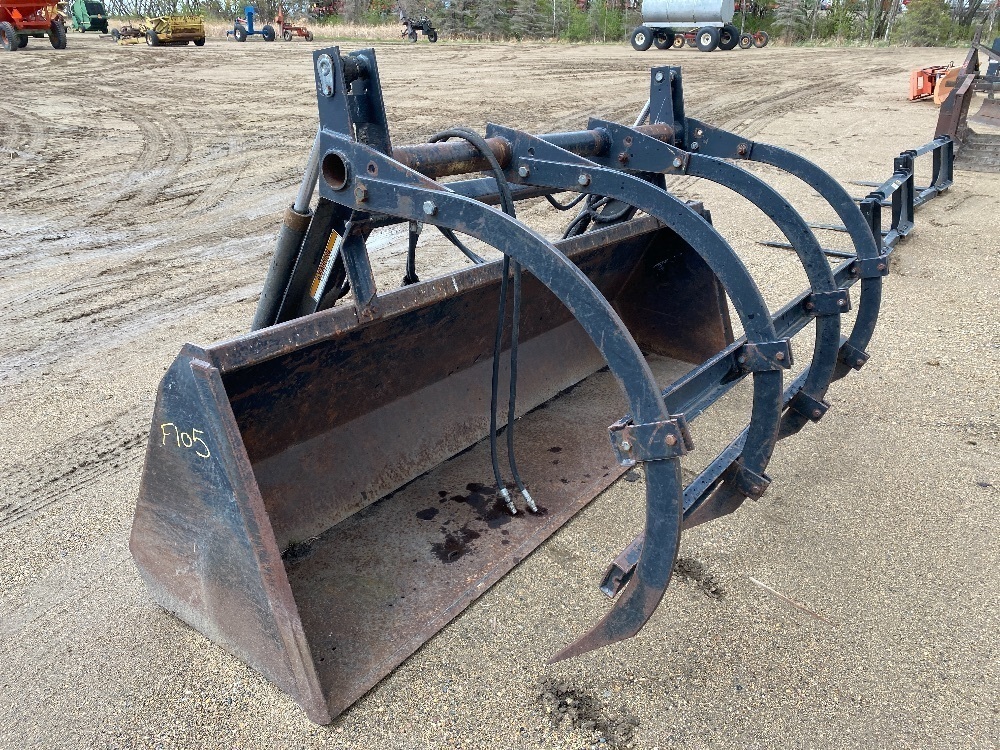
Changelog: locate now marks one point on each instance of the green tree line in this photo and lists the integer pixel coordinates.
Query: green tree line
(918, 22)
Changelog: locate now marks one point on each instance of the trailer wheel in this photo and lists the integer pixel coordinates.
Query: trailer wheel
(199, 42)
(729, 37)
(642, 39)
(152, 39)
(268, 33)
(746, 41)
(663, 40)
(691, 41)
(760, 39)
(8, 37)
(22, 41)
(287, 36)
(432, 36)
(309, 36)
(679, 41)
(240, 33)
(115, 35)
(57, 35)
(708, 38)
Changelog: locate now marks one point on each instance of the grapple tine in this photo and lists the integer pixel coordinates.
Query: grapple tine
(632, 610)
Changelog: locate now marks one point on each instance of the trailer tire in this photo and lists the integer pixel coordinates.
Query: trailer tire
(432, 36)
(268, 33)
(9, 37)
(746, 41)
(239, 33)
(57, 35)
(152, 39)
(760, 39)
(642, 39)
(729, 37)
(115, 35)
(287, 36)
(309, 36)
(663, 40)
(22, 41)
(199, 42)
(679, 41)
(707, 38)
(691, 41)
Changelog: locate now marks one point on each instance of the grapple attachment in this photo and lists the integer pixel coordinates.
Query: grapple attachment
(322, 495)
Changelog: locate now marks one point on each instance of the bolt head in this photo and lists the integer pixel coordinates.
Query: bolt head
(694, 145)
(860, 362)
(677, 163)
(817, 413)
(810, 305)
(881, 266)
(671, 440)
(659, 76)
(780, 356)
(699, 132)
(583, 180)
(626, 445)
(361, 193)
(430, 208)
(742, 359)
(755, 489)
(842, 303)
(523, 170)
(742, 149)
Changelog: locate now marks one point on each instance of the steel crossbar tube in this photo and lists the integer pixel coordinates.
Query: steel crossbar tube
(456, 158)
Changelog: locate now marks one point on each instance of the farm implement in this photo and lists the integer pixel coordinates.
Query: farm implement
(705, 24)
(243, 28)
(413, 27)
(22, 19)
(88, 15)
(290, 31)
(167, 31)
(323, 494)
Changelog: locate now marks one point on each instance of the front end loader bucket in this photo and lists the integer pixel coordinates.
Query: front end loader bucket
(317, 496)
(989, 113)
(322, 495)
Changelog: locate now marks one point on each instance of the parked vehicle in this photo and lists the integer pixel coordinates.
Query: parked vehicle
(244, 27)
(174, 31)
(22, 19)
(705, 24)
(88, 15)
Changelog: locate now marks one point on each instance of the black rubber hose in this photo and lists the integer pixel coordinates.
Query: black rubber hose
(507, 205)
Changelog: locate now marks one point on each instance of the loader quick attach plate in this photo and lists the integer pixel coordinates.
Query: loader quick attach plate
(317, 496)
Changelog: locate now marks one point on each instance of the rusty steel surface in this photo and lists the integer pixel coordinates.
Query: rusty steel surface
(459, 157)
(277, 460)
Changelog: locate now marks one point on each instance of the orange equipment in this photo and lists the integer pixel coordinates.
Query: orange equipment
(925, 82)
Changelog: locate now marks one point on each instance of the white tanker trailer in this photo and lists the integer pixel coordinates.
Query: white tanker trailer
(705, 24)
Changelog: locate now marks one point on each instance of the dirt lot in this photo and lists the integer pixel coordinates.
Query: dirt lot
(140, 192)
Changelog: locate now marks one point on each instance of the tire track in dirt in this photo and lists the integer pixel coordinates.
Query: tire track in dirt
(63, 470)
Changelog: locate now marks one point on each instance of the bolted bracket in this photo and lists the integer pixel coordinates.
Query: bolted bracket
(811, 408)
(655, 441)
(852, 356)
(872, 268)
(827, 303)
(763, 356)
(746, 482)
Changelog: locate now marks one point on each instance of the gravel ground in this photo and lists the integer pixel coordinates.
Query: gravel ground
(139, 197)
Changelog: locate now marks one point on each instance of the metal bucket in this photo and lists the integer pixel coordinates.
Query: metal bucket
(317, 496)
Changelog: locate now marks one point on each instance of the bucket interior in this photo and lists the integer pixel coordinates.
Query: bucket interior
(369, 445)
